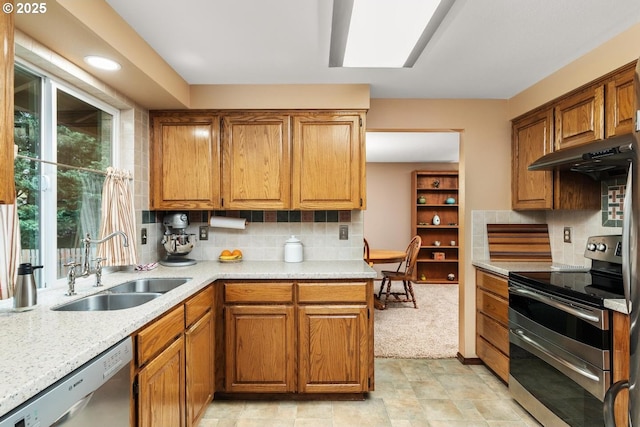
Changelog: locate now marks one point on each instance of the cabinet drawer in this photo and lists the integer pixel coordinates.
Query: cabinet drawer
(494, 332)
(493, 358)
(264, 292)
(493, 306)
(332, 292)
(159, 334)
(198, 305)
(493, 283)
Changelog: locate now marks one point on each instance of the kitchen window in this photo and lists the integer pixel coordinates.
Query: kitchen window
(65, 142)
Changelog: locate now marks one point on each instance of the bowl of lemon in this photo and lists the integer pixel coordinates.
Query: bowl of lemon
(230, 256)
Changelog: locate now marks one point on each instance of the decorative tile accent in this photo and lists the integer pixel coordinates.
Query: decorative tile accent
(613, 191)
(149, 217)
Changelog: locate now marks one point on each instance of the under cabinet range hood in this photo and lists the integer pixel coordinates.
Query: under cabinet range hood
(598, 159)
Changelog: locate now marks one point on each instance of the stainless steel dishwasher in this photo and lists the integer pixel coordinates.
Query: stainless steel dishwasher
(96, 394)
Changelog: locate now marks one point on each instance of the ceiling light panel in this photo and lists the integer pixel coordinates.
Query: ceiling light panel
(383, 33)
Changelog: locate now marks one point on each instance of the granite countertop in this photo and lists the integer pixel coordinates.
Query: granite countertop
(40, 346)
(504, 267)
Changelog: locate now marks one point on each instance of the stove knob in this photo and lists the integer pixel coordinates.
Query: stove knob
(591, 247)
(601, 247)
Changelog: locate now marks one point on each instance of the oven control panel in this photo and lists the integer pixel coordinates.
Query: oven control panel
(604, 248)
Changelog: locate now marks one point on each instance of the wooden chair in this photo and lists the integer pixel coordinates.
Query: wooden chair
(365, 256)
(404, 274)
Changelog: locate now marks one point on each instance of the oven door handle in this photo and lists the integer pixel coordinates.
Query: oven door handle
(582, 314)
(584, 372)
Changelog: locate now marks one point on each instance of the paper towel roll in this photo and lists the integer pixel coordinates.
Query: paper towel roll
(224, 222)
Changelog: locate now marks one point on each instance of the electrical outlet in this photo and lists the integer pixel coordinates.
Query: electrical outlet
(344, 232)
(143, 236)
(204, 232)
(567, 235)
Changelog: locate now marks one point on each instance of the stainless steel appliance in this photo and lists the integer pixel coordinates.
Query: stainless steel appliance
(96, 394)
(25, 294)
(176, 241)
(560, 337)
(612, 156)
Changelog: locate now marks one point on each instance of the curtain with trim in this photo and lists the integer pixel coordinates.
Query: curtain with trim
(118, 214)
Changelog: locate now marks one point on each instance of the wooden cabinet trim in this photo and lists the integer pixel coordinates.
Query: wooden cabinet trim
(256, 292)
(7, 187)
(158, 334)
(198, 305)
(497, 284)
(310, 292)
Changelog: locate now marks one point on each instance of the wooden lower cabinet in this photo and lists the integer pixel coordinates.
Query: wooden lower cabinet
(174, 365)
(297, 337)
(333, 354)
(161, 388)
(260, 350)
(492, 322)
(200, 367)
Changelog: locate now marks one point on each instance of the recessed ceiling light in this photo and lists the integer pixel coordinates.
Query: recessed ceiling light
(383, 34)
(102, 63)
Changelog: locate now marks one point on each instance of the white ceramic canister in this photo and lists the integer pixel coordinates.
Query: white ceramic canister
(293, 250)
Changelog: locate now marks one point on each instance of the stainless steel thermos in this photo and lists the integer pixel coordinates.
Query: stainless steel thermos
(25, 294)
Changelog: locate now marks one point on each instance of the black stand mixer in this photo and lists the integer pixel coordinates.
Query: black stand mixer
(176, 241)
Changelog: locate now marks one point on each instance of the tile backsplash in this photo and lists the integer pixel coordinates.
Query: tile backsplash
(583, 224)
(265, 235)
(613, 191)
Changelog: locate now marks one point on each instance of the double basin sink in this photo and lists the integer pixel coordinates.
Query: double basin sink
(126, 295)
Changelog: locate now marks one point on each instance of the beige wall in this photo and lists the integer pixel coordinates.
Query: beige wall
(485, 169)
(613, 54)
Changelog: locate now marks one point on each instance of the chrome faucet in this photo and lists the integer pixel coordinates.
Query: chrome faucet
(86, 266)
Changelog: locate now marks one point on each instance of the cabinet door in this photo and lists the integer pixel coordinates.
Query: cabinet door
(334, 349)
(260, 352)
(256, 162)
(619, 107)
(532, 138)
(580, 118)
(7, 190)
(161, 400)
(328, 162)
(185, 162)
(199, 352)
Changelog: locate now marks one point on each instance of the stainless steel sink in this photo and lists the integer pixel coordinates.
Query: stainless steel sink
(160, 285)
(107, 302)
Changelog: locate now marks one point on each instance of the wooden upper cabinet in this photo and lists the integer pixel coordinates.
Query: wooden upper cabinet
(7, 188)
(328, 161)
(619, 103)
(256, 165)
(185, 168)
(579, 118)
(531, 139)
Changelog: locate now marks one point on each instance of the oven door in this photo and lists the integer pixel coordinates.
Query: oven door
(559, 357)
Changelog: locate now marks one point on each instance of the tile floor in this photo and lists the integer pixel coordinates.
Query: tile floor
(409, 393)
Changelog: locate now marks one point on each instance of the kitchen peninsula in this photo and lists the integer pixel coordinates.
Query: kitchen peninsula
(41, 346)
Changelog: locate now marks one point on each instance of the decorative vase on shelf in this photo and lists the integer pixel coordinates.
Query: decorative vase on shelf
(422, 200)
(435, 220)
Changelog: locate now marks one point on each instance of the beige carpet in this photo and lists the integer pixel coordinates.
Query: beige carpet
(429, 332)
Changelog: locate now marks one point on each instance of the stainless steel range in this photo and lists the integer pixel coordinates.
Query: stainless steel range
(560, 337)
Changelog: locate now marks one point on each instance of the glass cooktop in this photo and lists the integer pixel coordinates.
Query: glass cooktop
(591, 287)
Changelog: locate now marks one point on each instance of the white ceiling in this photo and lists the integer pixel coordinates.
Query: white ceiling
(484, 48)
